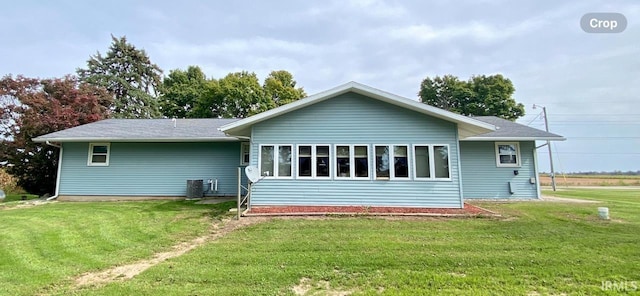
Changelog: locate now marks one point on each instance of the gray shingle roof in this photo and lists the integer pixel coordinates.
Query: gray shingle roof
(140, 130)
(509, 130)
(162, 130)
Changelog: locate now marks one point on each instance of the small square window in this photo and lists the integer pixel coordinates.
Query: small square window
(98, 154)
(507, 154)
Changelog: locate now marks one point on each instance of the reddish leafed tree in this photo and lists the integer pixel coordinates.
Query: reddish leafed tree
(32, 107)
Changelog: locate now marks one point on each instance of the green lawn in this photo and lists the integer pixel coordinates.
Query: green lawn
(41, 247)
(537, 247)
(16, 197)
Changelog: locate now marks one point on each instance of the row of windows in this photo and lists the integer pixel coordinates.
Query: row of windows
(352, 161)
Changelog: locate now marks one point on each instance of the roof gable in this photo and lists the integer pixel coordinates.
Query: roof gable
(466, 126)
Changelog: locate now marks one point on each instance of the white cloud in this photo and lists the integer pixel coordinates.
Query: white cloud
(359, 8)
(475, 30)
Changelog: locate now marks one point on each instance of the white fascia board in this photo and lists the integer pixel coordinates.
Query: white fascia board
(473, 124)
(144, 140)
(514, 139)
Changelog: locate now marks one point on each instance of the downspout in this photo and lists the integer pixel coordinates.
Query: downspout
(459, 169)
(535, 168)
(59, 169)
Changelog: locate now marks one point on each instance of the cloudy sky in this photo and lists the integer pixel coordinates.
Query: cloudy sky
(590, 83)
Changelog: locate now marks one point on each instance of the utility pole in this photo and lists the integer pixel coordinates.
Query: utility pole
(546, 126)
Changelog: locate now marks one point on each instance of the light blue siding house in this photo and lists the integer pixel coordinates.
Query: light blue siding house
(350, 145)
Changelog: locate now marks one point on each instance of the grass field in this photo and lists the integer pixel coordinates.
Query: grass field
(537, 247)
(41, 247)
(591, 180)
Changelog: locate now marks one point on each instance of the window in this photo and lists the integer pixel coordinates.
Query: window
(352, 161)
(361, 161)
(244, 153)
(441, 161)
(284, 161)
(313, 161)
(275, 165)
(431, 162)
(98, 154)
(304, 161)
(421, 158)
(322, 161)
(382, 162)
(343, 167)
(400, 162)
(507, 154)
(267, 161)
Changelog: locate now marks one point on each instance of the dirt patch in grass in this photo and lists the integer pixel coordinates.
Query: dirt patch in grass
(468, 210)
(24, 204)
(568, 200)
(125, 272)
(310, 288)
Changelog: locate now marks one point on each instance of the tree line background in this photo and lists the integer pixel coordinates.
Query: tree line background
(124, 83)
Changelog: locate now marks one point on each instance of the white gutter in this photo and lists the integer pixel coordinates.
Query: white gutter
(143, 140)
(59, 169)
(493, 139)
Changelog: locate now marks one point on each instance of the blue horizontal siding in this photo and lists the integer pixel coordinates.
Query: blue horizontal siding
(150, 169)
(355, 119)
(482, 178)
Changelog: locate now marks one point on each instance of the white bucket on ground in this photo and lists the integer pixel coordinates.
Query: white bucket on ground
(603, 212)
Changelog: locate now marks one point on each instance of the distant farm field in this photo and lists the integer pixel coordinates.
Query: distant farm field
(592, 180)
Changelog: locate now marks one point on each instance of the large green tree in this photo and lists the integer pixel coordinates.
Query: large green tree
(190, 94)
(280, 87)
(480, 95)
(240, 95)
(32, 107)
(182, 91)
(128, 74)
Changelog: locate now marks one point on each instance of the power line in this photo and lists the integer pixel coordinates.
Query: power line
(593, 153)
(534, 118)
(598, 138)
(595, 114)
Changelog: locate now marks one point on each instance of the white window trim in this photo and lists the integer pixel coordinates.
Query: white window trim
(352, 161)
(335, 162)
(90, 156)
(352, 156)
(508, 165)
(432, 164)
(244, 145)
(276, 161)
(275, 167)
(415, 165)
(314, 161)
(391, 166)
(392, 156)
(298, 162)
